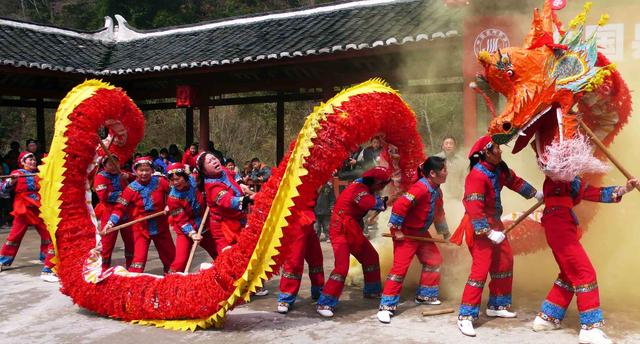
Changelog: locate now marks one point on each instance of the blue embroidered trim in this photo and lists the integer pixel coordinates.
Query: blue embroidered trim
(6, 260)
(467, 310)
(286, 297)
(493, 177)
(114, 219)
(606, 194)
(31, 180)
(576, 183)
(527, 190)
(480, 225)
(224, 180)
(591, 317)
(152, 226)
(396, 220)
(187, 228)
(390, 300)
(236, 203)
(379, 204)
(434, 195)
(326, 300)
(427, 291)
(316, 290)
(499, 300)
(145, 191)
(553, 310)
(372, 288)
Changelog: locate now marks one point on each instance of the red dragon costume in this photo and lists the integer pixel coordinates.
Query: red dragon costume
(554, 82)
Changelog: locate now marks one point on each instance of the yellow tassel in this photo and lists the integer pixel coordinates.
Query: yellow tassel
(604, 19)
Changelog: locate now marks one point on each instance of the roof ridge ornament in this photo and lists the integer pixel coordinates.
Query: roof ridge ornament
(123, 32)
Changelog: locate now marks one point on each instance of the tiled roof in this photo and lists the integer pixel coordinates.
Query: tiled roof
(120, 49)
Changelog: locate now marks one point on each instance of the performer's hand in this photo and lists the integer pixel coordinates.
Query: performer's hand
(397, 233)
(196, 237)
(496, 236)
(539, 195)
(106, 228)
(166, 209)
(246, 189)
(631, 184)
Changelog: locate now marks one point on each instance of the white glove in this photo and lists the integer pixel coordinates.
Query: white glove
(539, 195)
(496, 236)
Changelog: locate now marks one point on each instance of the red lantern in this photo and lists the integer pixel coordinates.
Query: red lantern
(185, 96)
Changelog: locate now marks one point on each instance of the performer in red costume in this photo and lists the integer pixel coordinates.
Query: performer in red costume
(109, 184)
(145, 196)
(305, 245)
(225, 198)
(26, 211)
(483, 228)
(347, 237)
(186, 207)
(577, 275)
(412, 214)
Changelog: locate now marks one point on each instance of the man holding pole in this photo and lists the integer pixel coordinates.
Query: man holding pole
(483, 229)
(412, 215)
(145, 196)
(186, 207)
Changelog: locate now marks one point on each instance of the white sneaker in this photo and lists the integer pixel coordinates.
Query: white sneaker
(262, 292)
(205, 266)
(501, 313)
(49, 277)
(540, 325)
(593, 336)
(384, 317)
(466, 327)
(283, 307)
(325, 311)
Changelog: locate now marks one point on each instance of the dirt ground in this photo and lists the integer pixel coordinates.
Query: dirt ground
(33, 311)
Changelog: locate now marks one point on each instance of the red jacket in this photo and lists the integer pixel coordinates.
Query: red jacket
(418, 208)
(189, 159)
(482, 195)
(186, 208)
(565, 195)
(27, 198)
(109, 188)
(140, 200)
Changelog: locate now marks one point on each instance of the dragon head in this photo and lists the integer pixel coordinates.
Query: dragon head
(550, 84)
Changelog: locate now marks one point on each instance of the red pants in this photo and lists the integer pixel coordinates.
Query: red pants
(496, 260)
(577, 275)
(403, 253)
(305, 246)
(163, 243)
(109, 242)
(347, 238)
(18, 229)
(220, 241)
(183, 249)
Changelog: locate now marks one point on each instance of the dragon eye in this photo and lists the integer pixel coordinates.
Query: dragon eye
(510, 73)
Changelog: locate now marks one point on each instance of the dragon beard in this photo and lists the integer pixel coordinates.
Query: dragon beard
(569, 158)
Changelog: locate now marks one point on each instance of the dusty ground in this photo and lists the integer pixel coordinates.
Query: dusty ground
(32, 311)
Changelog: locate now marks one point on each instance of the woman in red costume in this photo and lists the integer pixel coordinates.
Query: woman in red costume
(413, 214)
(109, 185)
(145, 196)
(26, 211)
(577, 275)
(186, 207)
(482, 227)
(226, 200)
(347, 237)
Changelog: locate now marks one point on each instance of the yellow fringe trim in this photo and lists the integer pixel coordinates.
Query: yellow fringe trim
(53, 170)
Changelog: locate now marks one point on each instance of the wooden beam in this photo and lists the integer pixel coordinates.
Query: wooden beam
(28, 103)
(294, 97)
(279, 128)
(189, 126)
(40, 124)
(204, 126)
